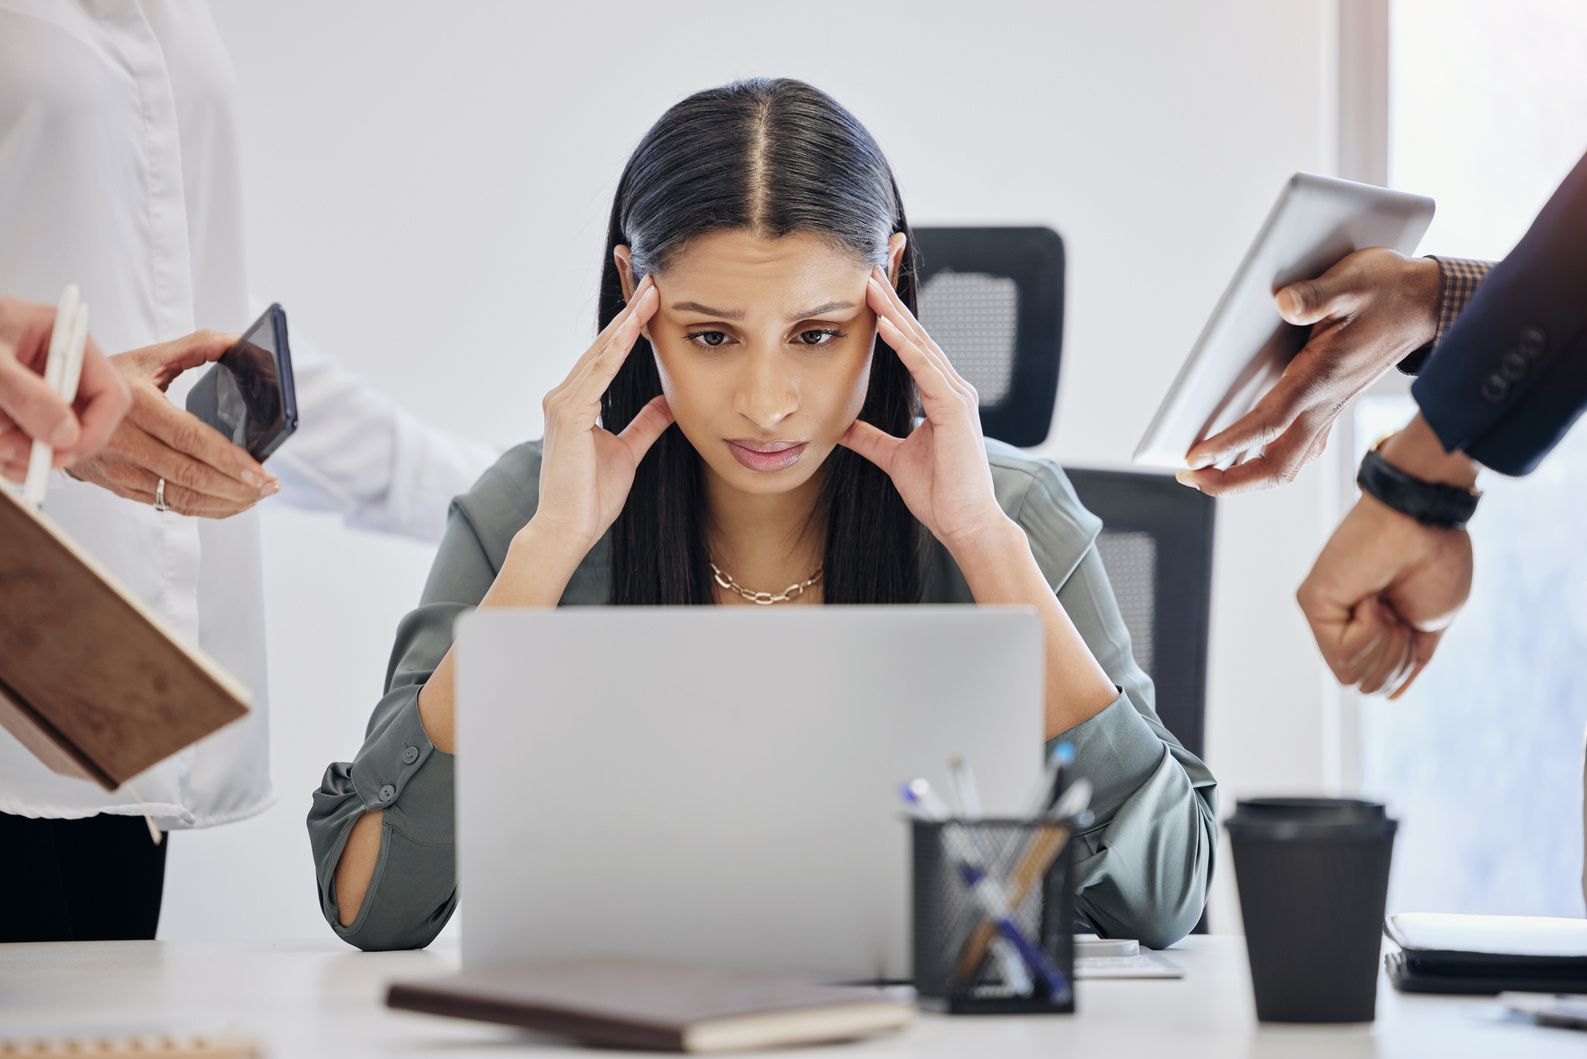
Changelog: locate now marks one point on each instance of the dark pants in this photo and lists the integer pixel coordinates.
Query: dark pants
(96, 879)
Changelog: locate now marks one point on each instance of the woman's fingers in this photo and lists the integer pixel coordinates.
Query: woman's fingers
(158, 458)
(872, 442)
(186, 441)
(646, 427)
(885, 300)
(642, 294)
(934, 386)
(585, 384)
(585, 391)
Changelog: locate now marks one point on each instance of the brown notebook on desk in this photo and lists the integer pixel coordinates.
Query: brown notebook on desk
(623, 1002)
(92, 681)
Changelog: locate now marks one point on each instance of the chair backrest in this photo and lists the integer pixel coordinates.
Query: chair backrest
(993, 299)
(1156, 543)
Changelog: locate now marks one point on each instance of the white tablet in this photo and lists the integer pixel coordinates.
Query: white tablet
(1244, 348)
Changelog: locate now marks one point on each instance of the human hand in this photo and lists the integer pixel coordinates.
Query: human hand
(1367, 313)
(30, 409)
(585, 469)
(940, 469)
(205, 474)
(1386, 587)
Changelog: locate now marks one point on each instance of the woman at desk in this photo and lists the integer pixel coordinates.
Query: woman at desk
(747, 420)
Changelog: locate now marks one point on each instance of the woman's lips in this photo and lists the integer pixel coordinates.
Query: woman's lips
(766, 455)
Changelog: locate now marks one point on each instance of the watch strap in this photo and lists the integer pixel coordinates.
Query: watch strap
(1430, 503)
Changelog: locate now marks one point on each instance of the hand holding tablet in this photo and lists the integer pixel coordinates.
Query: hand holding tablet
(1249, 351)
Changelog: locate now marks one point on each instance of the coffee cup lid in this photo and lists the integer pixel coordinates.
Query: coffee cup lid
(1292, 817)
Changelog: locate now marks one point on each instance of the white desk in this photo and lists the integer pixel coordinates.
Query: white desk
(322, 999)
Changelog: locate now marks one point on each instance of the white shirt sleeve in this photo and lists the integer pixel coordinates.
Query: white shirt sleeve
(358, 453)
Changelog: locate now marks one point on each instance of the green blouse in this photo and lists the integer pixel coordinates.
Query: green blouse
(1143, 868)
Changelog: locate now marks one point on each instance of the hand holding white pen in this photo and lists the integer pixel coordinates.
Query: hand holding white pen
(75, 424)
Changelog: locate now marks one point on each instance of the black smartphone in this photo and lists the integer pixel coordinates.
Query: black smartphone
(248, 394)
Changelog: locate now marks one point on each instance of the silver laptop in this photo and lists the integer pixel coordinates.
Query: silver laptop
(720, 784)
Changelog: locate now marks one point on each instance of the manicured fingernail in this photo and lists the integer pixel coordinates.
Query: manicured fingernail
(1186, 478)
(64, 434)
(252, 479)
(1200, 461)
(270, 488)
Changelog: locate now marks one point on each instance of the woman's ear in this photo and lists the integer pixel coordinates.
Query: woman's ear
(895, 256)
(624, 259)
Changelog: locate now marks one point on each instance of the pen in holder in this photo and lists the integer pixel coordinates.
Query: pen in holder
(969, 958)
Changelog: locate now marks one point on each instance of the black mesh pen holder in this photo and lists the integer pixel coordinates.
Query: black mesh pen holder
(964, 962)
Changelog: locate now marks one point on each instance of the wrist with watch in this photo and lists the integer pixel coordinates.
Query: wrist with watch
(1430, 503)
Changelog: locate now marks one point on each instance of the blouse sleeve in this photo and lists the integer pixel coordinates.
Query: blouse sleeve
(360, 454)
(413, 889)
(1143, 868)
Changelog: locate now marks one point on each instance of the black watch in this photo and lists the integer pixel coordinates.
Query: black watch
(1430, 503)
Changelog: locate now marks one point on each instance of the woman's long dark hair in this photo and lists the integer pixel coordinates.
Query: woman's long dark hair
(771, 157)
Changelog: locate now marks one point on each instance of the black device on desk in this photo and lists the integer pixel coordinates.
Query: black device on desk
(248, 394)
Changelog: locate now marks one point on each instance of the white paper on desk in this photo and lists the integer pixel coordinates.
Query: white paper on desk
(1497, 935)
(1147, 964)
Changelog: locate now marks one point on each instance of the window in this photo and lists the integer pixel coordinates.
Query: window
(1482, 759)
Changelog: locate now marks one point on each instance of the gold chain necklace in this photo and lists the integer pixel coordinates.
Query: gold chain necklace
(765, 599)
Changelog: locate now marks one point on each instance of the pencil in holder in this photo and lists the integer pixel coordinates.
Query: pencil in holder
(968, 961)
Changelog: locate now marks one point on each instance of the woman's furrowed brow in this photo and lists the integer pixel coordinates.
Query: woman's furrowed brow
(706, 310)
(828, 307)
(738, 314)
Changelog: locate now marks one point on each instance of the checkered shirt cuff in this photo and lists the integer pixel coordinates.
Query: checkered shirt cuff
(1462, 277)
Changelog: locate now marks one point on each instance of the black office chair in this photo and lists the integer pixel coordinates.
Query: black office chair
(1156, 543)
(993, 298)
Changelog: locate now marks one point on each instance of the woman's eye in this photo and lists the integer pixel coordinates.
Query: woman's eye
(708, 338)
(818, 336)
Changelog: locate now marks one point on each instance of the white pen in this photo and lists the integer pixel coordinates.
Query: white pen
(1074, 801)
(62, 370)
(964, 787)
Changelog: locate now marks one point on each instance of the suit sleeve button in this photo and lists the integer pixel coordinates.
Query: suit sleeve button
(410, 755)
(1514, 365)
(387, 793)
(1533, 339)
(1495, 389)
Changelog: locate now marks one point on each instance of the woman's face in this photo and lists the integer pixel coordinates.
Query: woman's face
(764, 347)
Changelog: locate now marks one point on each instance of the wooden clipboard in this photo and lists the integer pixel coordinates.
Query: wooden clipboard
(92, 681)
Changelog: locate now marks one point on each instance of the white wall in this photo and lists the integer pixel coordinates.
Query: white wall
(428, 187)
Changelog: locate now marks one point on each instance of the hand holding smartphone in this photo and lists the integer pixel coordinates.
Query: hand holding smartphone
(248, 395)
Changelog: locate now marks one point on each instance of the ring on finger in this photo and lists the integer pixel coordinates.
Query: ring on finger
(159, 497)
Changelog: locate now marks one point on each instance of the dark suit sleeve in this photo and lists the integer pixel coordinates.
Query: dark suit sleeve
(1511, 378)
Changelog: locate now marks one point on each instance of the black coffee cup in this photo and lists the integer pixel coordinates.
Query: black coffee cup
(1313, 875)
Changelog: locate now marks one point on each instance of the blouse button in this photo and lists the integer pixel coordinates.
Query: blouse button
(387, 793)
(410, 755)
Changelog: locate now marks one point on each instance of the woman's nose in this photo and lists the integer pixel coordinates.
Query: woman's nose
(767, 393)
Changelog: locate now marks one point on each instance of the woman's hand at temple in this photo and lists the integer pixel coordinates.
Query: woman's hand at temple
(585, 469)
(942, 473)
(940, 469)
